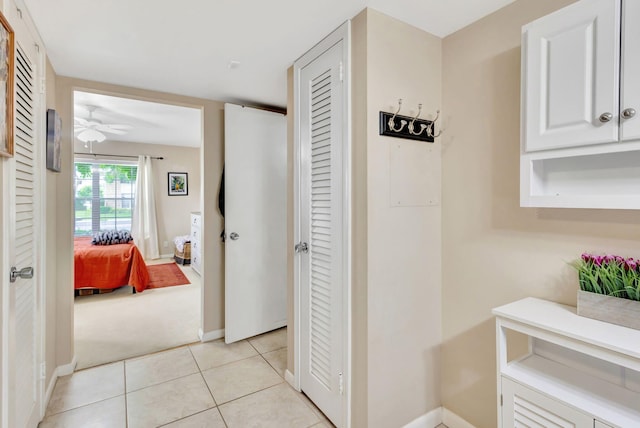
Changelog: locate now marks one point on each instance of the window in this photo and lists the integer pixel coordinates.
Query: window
(104, 196)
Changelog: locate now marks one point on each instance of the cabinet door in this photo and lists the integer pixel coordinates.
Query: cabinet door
(570, 70)
(630, 89)
(524, 407)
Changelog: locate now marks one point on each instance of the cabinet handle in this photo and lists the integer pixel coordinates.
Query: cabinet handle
(605, 117)
(628, 113)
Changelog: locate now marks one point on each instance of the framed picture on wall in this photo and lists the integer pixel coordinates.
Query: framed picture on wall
(54, 124)
(178, 185)
(6, 87)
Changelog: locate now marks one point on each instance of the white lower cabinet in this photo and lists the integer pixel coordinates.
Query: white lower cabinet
(576, 372)
(524, 407)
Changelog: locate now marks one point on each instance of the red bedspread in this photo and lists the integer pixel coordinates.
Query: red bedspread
(108, 266)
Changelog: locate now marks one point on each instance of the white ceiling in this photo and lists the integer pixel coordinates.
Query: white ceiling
(150, 122)
(185, 47)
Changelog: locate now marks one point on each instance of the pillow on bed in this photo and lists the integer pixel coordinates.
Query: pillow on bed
(111, 237)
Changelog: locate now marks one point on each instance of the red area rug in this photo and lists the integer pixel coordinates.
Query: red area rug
(166, 275)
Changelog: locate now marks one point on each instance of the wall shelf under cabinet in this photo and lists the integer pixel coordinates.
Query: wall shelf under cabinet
(602, 177)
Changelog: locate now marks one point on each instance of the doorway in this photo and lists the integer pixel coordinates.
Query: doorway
(112, 326)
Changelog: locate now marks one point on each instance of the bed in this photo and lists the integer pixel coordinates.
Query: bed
(108, 266)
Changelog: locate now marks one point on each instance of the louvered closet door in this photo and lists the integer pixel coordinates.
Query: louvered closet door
(25, 383)
(321, 226)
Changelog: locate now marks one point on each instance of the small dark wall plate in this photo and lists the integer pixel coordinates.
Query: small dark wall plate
(386, 130)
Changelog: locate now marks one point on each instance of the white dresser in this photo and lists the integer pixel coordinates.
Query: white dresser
(196, 222)
(578, 372)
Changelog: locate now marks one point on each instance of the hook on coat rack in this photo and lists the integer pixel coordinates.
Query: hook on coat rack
(431, 126)
(422, 125)
(392, 120)
(416, 128)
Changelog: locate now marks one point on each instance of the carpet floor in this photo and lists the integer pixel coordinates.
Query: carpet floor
(119, 325)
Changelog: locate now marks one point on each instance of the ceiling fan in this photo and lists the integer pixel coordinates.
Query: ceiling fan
(92, 130)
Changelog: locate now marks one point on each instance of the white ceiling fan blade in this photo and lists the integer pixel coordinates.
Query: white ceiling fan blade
(91, 135)
(122, 127)
(81, 121)
(112, 131)
(112, 128)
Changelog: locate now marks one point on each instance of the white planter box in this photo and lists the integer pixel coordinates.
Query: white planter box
(613, 310)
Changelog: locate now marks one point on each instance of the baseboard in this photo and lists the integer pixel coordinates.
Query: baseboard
(166, 256)
(428, 420)
(59, 371)
(210, 335)
(291, 379)
(451, 420)
(49, 391)
(67, 369)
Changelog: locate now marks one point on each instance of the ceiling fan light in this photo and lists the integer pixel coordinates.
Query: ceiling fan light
(91, 135)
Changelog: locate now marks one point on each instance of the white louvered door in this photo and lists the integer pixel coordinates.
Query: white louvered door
(24, 386)
(323, 226)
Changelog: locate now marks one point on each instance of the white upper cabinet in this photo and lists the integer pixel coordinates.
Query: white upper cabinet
(580, 130)
(571, 69)
(630, 89)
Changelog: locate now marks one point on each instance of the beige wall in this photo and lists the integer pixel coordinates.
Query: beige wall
(51, 259)
(495, 252)
(404, 246)
(359, 226)
(172, 211)
(211, 160)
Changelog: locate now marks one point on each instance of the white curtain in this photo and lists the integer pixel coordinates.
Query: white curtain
(144, 228)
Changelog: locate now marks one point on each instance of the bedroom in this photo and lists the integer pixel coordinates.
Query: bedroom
(492, 250)
(171, 135)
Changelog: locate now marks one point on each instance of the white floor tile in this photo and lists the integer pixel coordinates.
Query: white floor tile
(207, 419)
(157, 368)
(276, 407)
(167, 402)
(241, 378)
(271, 341)
(86, 387)
(213, 354)
(108, 413)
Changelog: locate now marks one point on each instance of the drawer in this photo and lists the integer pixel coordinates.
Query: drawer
(195, 220)
(195, 246)
(196, 263)
(195, 236)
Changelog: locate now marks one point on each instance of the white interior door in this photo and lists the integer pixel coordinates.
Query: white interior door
(255, 222)
(323, 225)
(22, 380)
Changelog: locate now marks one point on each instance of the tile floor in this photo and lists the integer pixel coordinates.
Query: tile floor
(204, 385)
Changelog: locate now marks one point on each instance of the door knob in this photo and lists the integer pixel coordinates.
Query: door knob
(302, 247)
(628, 113)
(24, 273)
(605, 117)
(234, 236)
